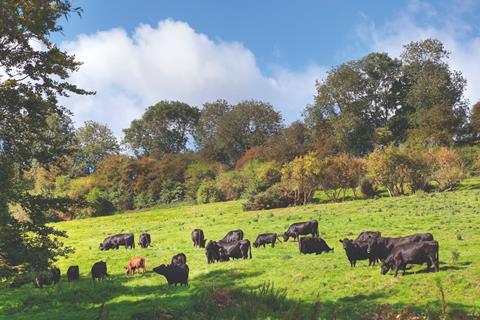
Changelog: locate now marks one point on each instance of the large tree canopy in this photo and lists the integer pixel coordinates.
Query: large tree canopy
(164, 128)
(34, 127)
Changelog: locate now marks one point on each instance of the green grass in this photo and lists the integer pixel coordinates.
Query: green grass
(276, 283)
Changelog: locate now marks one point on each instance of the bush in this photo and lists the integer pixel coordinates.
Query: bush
(208, 192)
(143, 200)
(232, 184)
(198, 172)
(449, 169)
(98, 203)
(274, 197)
(172, 191)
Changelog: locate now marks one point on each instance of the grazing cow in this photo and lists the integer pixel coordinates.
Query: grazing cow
(179, 260)
(135, 264)
(212, 251)
(301, 228)
(114, 242)
(266, 238)
(313, 245)
(174, 274)
(365, 236)
(99, 270)
(382, 247)
(235, 250)
(357, 251)
(46, 278)
(73, 273)
(412, 253)
(198, 238)
(235, 235)
(145, 240)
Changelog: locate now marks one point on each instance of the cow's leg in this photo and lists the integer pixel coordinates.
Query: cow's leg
(273, 244)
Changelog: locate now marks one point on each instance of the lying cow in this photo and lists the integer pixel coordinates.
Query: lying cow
(382, 247)
(198, 238)
(73, 273)
(114, 242)
(356, 250)
(266, 238)
(135, 265)
(301, 228)
(145, 240)
(99, 270)
(235, 235)
(308, 245)
(179, 260)
(174, 274)
(412, 253)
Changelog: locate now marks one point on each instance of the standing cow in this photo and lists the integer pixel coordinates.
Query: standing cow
(302, 228)
(73, 273)
(145, 240)
(235, 235)
(266, 238)
(382, 247)
(99, 271)
(135, 265)
(412, 253)
(198, 238)
(179, 260)
(174, 274)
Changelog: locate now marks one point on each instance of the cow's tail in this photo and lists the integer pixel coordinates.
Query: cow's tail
(278, 238)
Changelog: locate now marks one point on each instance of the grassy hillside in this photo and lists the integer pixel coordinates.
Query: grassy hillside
(276, 283)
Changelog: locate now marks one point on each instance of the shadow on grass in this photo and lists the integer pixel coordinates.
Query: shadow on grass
(218, 294)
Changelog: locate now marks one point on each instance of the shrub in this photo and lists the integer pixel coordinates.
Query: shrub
(99, 203)
(198, 172)
(231, 184)
(80, 187)
(301, 178)
(449, 169)
(274, 197)
(143, 200)
(418, 163)
(208, 192)
(172, 191)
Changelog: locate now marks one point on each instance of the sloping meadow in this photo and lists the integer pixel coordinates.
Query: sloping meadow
(278, 282)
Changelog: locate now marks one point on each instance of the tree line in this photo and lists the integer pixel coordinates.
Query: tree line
(377, 124)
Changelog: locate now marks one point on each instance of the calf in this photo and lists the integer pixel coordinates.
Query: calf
(135, 264)
(412, 253)
(114, 242)
(236, 250)
(145, 240)
(73, 273)
(174, 274)
(266, 238)
(198, 238)
(313, 245)
(357, 251)
(235, 235)
(301, 228)
(46, 278)
(179, 260)
(55, 275)
(382, 247)
(99, 270)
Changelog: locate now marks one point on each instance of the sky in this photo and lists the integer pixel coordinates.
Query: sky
(136, 53)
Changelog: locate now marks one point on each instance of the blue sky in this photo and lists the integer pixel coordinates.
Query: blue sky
(136, 53)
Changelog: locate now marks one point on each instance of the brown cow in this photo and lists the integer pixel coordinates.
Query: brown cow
(135, 264)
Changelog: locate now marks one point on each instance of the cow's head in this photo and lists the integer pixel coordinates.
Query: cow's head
(101, 246)
(286, 235)
(387, 264)
(161, 269)
(372, 245)
(347, 244)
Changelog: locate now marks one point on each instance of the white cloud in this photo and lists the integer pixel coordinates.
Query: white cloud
(421, 21)
(172, 61)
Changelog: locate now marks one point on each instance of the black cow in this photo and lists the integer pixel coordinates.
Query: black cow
(198, 238)
(382, 247)
(73, 273)
(301, 228)
(145, 240)
(235, 235)
(179, 260)
(356, 250)
(308, 245)
(174, 274)
(235, 250)
(46, 278)
(365, 236)
(99, 270)
(412, 253)
(212, 251)
(114, 242)
(266, 238)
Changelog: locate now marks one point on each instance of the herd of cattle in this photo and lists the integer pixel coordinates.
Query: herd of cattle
(394, 253)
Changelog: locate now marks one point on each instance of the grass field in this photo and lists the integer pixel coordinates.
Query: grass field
(278, 282)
